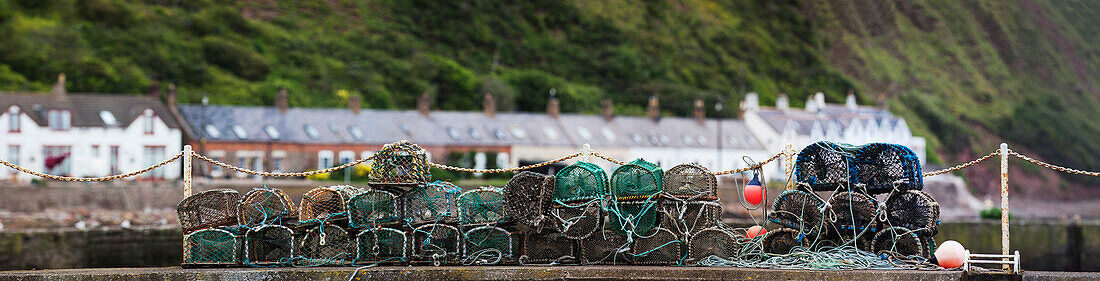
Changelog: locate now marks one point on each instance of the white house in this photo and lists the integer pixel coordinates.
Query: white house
(86, 135)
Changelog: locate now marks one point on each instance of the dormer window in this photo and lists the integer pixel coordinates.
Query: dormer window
(212, 131)
(271, 132)
(148, 122)
(108, 118)
(356, 132)
(13, 120)
(59, 119)
(239, 131)
(312, 132)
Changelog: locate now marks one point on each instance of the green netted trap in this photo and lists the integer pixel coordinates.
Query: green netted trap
(216, 207)
(853, 212)
(435, 202)
(635, 181)
(326, 244)
(547, 247)
(798, 209)
(902, 241)
(825, 165)
(490, 245)
(269, 245)
(579, 220)
(637, 218)
(212, 246)
(266, 206)
(581, 181)
(374, 207)
(713, 242)
(915, 210)
(381, 245)
(326, 204)
(663, 247)
(605, 247)
(882, 167)
(528, 199)
(685, 217)
(690, 182)
(484, 205)
(439, 243)
(400, 163)
(782, 240)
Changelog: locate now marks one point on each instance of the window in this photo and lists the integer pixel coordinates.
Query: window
(453, 133)
(108, 118)
(312, 131)
(607, 134)
(732, 141)
(664, 139)
(113, 159)
(356, 132)
(215, 170)
(519, 133)
(475, 134)
(502, 160)
(59, 119)
(324, 159)
(242, 162)
(584, 133)
(95, 150)
(148, 122)
(239, 131)
(499, 134)
(332, 127)
(550, 133)
(701, 140)
(346, 156)
(271, 132)
(13, 120)
(57, 159)
(277, 164)
(13, 154)
(637, 139)
(212, 131)
(153, 155)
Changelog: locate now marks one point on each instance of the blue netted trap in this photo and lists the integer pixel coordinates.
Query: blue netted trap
(484, 205)
(216, 207)
(826, 166)
(882, 167)
(914, 210)
(435, 202)
(388, 245)
(266, 206)
(374, 207)
(853, 214)
(798, 209)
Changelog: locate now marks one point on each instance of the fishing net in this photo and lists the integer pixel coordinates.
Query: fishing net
(381, 244)
(798, 209)
(713, 242)
(580, 220)
(400, 163)
(547, 247)
(824, 166)
(437, 242)
(900, 240)
(636, 180)
(637, 218)
(663, 247)
(216, 207)
(853, 212)
(913, 209)
(782, 240)
(881, 165)
(605, 247)
(855, 238)
(326, 204)
(269, 244)
(434, 202)
(264, 206)
(212, 246)
(489, 245)
(690, 181)
(528, 199)
(484, 205)
(579, 182)
(372, 208)
(688, 217)
(326, 244)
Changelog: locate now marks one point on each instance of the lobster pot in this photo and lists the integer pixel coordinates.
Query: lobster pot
(326, 242)
(581, 181)
(604, 247)
(859, 238)
(879, 166)
(484, 205)
(636, 181)
(437, 242)
(546, 247)
(690, 182)
(853, 212)
(374, 207)
(207, 209)
(824, 165)
(637, 218)
(487, 243)
(435, 202)
(782, 241)
(915, 210)
(269, 244)
(528, 199)
(662, 248)
(713, 242)
(326, 203)
(798, 209)
(264, 206)
(903, 241)
(381, 244)
(212, 246)
(691, 216)
(400, 163)
(577, 221)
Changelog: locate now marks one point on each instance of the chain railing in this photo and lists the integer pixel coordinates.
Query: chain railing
(82, 179)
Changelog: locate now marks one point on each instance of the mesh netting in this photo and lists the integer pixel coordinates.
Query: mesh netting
(798, 209)
(825, 165)
(853, 211)
(690, 181)
(400, 163)
(528, 199)
(580, 181)
(437, 242)
(881, 165)
(605, 247)
(713, 242)
(434, 202)
(209, 208)
(326, 203)
(856, 238)
(578, 221)
(636, 180)
(913, 209)
(381, 244)
(661, 248)
(488, 245)
(374, 207)
(546, 247)
(688, 217)
(263, 206)
(484, 205)
(214, 246)
(899, 240)
(634, 217)
(782, 240)
(269, 244)
(328, 243)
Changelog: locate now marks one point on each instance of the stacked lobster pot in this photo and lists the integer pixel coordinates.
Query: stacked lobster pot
(529, 201)
(691, 209)
(579, 200)
(323, 218)
(209, 222)
(431, 214)
(270, 217)
(911, 216)
(376, 217)
(633, 217)
(488, 236)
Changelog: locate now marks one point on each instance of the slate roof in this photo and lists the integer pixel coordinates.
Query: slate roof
(843, 116)
(86, 107)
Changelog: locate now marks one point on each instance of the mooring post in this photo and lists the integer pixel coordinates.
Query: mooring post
(1073, 244)
(1004, 203)
(788, 166)
(187, 153)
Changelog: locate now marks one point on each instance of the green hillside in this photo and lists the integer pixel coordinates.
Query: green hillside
(966, 74)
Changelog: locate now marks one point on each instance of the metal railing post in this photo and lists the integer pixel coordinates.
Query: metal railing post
(1004, 203)
(187, 153)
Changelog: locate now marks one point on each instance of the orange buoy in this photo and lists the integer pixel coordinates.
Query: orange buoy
(950, 254)
(754, 191)
(755, 230)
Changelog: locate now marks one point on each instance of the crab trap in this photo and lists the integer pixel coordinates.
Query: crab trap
(528, 199)
(684, 217)
(490, 245)
(578, 221)
(605, 247)
(326, 244)
(663, 247)
(484, 205)
(636, 181)
(212, 247)
(902, 241)
(435, 202)
(381, 245)
(374, 207)
(825, 165)
(581, 181)
(882, 167)
(690, 182)
(853, 212)
(637, 218)
(439, 243)
(269, 244)
(798, 209)
(264, 206)
(324, 204)
(915, 210)
(207, 209)
(400, 164)
(713, 242)
(782, 240)
(547, 247)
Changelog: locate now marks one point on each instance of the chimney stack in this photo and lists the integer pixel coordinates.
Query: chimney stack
(653, 108)
(489, 105)
(154, 89)
(819, 97)
(59, 91)
(355, 103)
(782, 102)
(607, 109)
(883, 103)
(170, 100)
(850, 101)
(751, 102)
(699, 112)
(553, 106)
(280, 100)
(424, 104)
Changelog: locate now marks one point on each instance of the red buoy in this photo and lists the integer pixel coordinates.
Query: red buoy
(755, 230)
(754, 191)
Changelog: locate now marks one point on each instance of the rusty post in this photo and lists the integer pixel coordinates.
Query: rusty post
(187, 153)
(1004, 203)
(788, 166)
